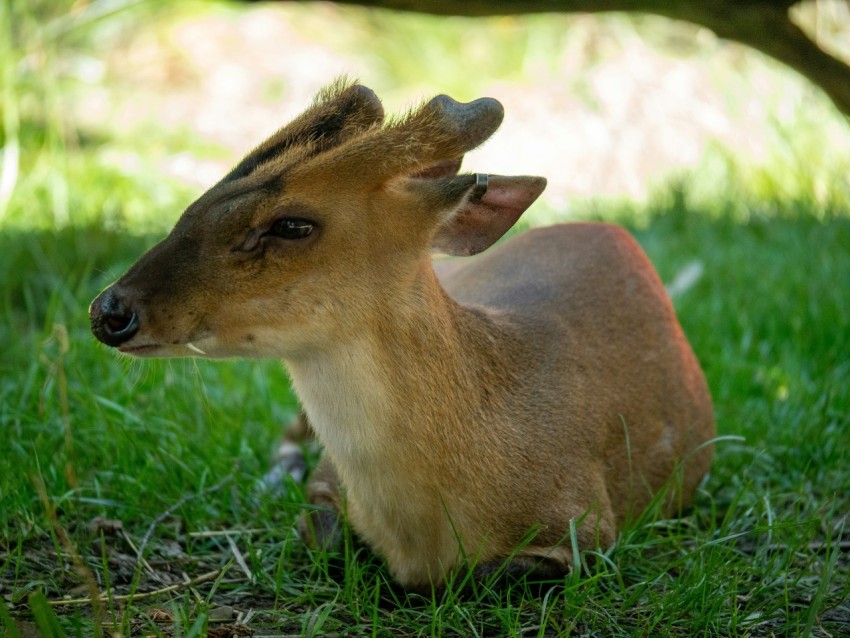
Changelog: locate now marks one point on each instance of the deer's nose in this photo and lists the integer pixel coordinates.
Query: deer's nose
(112, 321)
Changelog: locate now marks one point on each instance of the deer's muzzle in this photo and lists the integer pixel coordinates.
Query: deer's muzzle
(112, 321)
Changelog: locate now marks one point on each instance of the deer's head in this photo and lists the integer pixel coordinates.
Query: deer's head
(315, 229)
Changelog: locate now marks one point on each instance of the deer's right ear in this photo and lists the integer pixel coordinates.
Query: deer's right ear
(494, 204)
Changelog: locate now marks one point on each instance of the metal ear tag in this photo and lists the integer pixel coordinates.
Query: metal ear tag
(480, 188)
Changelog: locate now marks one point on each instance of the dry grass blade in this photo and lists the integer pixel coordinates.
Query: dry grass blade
(211, 533)
(240, 559)
(102, 597)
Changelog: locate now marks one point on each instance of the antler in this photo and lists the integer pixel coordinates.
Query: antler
(442, 129)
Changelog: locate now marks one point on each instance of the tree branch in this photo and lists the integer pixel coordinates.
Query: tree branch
(761, 24)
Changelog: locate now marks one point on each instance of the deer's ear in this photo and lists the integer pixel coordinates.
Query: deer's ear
(494, 204)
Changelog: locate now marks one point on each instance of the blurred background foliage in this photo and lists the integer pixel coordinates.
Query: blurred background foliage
(117, 112)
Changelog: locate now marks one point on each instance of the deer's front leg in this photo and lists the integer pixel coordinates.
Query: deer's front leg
(288, 458)
(321, 525)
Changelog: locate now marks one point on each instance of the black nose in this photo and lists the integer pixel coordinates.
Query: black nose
(112, 321)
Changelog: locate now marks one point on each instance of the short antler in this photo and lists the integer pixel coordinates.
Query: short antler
(442, 129)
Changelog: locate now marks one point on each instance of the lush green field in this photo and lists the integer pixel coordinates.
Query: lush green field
(175, 452)
(142, 480)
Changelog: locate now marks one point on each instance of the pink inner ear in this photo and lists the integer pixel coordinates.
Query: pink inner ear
(446, 168)
(477, 225)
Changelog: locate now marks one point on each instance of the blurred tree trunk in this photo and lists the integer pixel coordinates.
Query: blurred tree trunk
(762, 24)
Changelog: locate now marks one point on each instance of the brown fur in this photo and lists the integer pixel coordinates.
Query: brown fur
(543, 382)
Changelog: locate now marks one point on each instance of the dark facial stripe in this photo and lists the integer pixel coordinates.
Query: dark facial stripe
(250, 163)
(227, 190)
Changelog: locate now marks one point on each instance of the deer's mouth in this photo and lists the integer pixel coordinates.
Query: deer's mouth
(198, 347)
(140, 350)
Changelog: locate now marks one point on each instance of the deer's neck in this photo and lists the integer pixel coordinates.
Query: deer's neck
(411, 372)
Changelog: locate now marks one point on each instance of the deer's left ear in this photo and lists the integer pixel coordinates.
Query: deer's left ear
(494, 204)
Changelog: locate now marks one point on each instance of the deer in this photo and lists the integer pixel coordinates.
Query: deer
(498, 409)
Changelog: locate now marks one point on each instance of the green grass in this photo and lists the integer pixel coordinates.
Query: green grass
(144, 443)
(174, 451)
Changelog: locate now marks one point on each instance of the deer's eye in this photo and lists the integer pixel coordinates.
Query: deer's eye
(291, 228)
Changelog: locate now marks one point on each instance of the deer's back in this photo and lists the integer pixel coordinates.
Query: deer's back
(602, 354)
(575, 270)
